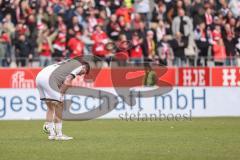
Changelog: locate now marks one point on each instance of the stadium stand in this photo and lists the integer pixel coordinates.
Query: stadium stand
(168, 32)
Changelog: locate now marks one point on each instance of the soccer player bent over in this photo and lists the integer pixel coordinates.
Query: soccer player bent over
(52, 83)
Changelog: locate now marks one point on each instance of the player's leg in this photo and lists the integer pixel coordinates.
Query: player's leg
(58, 122)
(50, 119)
(58, 118)
(50, 111)
(49, 124)
(47, 93)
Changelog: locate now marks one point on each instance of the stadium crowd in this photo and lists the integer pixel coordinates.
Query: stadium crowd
(169, 32)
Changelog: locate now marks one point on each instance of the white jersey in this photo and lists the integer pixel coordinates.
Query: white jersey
(50, 79)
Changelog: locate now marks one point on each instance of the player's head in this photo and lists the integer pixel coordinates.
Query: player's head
(86, 67)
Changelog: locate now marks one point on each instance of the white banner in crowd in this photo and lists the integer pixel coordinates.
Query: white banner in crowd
(181, 101)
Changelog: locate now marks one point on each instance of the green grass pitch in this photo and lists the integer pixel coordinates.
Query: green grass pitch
(199, 139)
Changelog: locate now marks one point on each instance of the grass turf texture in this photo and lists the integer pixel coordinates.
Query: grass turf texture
(199, 139)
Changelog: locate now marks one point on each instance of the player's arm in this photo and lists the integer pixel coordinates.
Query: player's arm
(66, 84)
(68, 80)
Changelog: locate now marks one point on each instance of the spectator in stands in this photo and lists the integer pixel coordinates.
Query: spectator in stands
(188, 7)
(99, 35)
(178, 44)
(191, 51)
(121, 22)
(7, 26)
(136, 22)
(21, 29)
(128, 31)
(202, 42)
(197, 12)
(125, 13)
(113, 28)
(159, 12)
(149, 46)
(31, 23)
(23, 11)
(122, 50)
(59, 46)
(182, 24)
(237, 40)
(6, 34)
(23, 50)
(92, 20)
(61, 26)
(165, 52)
(143, 8)
(234, 7)
(45, 47)
(136, 52)
(75, 45)
(52, 19)
(142, 31)
(79, 13)
(88, 42)
(160, 31)
(74, 26)
(102, 19)
(5, 49)
(209, 17)
(174, 10)
(219, 50)
(230, 43)
(100, 38)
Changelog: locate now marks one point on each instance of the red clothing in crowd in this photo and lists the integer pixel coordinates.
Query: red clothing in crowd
(99, 49)
(5, 38)
(219, 52)
(137, 51)
(137, 24)
(99, 46)
(124, 11)
(22, 29)
(100, 21)
(208, 19)
(216, 35)
(62, 28)
(99, 37)
(122, 56)
(60, 42)
(76, 46)
(69, 2)
(45, 50)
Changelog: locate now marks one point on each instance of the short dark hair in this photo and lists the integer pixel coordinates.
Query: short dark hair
(87, 66)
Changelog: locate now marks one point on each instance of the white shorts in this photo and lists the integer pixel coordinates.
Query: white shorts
(42, 83)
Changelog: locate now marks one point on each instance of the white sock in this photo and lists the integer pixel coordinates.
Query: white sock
(51, 128)
(58, 128)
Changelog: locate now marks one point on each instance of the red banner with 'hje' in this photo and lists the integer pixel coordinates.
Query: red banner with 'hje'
(122, 77)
